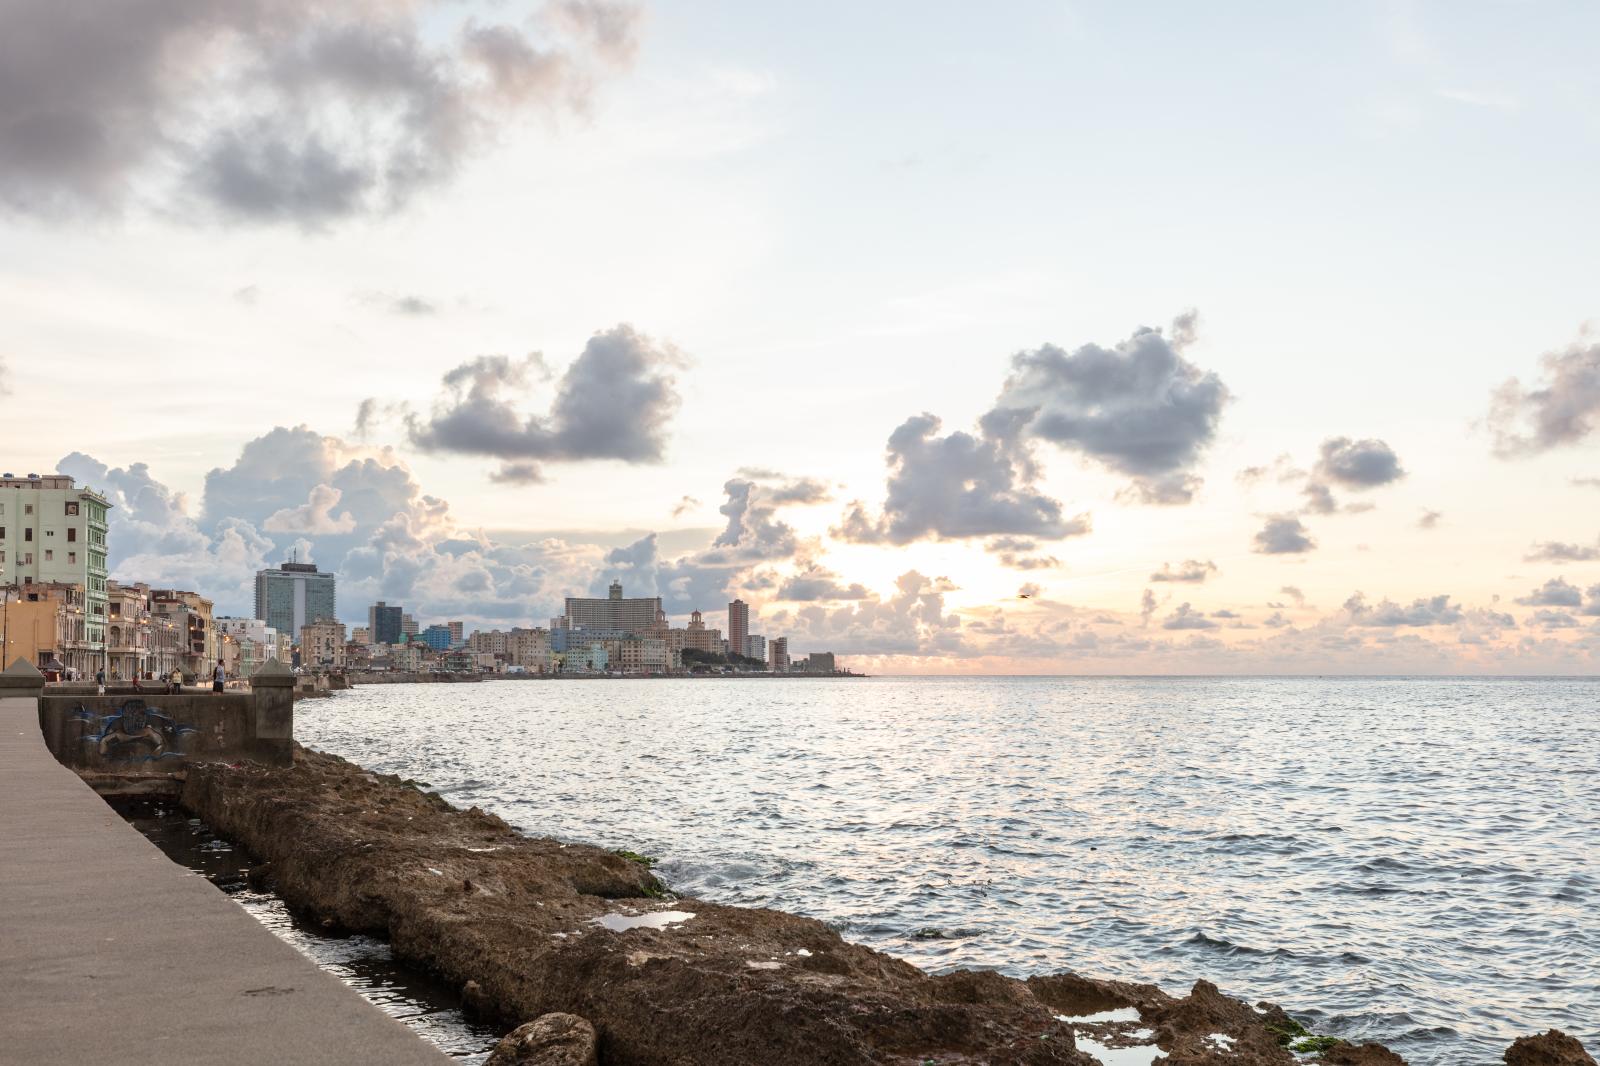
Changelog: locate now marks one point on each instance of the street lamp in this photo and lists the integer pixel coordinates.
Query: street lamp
(5, 620)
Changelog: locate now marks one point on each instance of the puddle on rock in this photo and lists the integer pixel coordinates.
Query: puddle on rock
(429, 1007)
(1119, 1056)
(619, 923)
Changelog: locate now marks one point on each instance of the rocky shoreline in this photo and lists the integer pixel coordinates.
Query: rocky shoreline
(587, 954)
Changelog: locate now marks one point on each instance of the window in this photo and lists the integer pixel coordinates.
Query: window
(49, 556)
(27, 534)
(27, 559)
(72, 535)
(27, 508)
(72, 557)
(72, 508)
(49, 532)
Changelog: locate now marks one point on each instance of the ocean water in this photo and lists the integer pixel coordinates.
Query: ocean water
(1411, 860)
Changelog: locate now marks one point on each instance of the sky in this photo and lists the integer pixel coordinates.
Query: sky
(1046, 338)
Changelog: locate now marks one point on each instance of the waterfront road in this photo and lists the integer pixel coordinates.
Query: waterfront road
(112, 953)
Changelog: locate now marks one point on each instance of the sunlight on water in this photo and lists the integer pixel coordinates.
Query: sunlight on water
(1405, 860)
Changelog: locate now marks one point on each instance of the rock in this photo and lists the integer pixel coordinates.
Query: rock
(549, 1040)
(1554, 1048)
(1361, 1055)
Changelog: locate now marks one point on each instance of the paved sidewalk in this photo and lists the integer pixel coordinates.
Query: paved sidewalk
(112, 953)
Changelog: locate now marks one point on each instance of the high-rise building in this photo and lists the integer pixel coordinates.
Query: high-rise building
(294, 595)
(755, 647)
(436, 637)
(778, 654)
(384, 623)
(408, 626)
(738, 626)
(457, 633)
(52, 531)
(635, 615)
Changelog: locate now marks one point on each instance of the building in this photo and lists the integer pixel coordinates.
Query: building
(322, 645)
(755, 647)
(457, 633)
(698, 637)
(361, 635)
(436, 637)
(256, 642)
(778, 654)
(192, 630)
(46, 624)
(409, 629)
(53, 532)
(820, 662)
(738, 626)
(128, 635)
(529, 649)
(384, 623)
(294, 595)
(614, 612)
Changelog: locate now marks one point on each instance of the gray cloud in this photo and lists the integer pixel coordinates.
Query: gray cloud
(1294, 593)
(1551, 551)
(615, 401)
(1140, 408)
(1319, 498)
(1147, 606)
(684, 505)
(1563, 410)
(1429, 519)
(1586, 482)
(1168, 490)
(957, 486)
(1186, 617)
(1016, 553)
(406, 304)
(819, 583)
(1358, 464)
(1548, 619)
(1557, 592)
(1434, 611)
(1191, 571)
(277, 110)
(1283, 534)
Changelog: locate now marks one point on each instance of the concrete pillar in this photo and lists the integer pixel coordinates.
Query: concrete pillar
(22, 682)
(272, 688)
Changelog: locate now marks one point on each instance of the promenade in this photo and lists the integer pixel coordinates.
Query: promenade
(112, 953)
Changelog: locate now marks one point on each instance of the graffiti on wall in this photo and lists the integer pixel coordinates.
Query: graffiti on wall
(133, 732)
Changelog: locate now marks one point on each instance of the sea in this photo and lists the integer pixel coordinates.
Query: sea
(1414, 860)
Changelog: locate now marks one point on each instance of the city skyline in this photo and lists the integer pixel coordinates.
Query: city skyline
(967, 380)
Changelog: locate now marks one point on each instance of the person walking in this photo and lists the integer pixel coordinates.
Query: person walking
(217, 678)
(100, 680)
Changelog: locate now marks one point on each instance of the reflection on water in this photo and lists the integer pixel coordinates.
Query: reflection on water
(1407, 860)
(426, 1005)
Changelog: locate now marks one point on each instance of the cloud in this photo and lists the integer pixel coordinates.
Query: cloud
(1551, 551)
(684, 505)
(1139, 409)
(407, 304)
(1016, 553)
(1358, 464)
(819, 583)
(1282, 469)
(957, 486)
(1283, 534)
(278, 110)
(1429, 519)
(1557, 592)
(1185, 617)
(1294, 593)
(1147, 606)
(1168, 490)
(1548, 619)
(1434, 611)
(315, 516)
(1319, 498)
(1190, 571)
(1586, 482)
(911, 622)
(1563, 410)
(616, 401)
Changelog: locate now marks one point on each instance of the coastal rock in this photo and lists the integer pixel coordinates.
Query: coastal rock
(551, 1040)
(1554, 1048)
(530, 926)
(1361, 1055)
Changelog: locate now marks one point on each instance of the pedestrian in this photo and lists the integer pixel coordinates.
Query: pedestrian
(177, 680)
(100, 680)
(217, 679)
